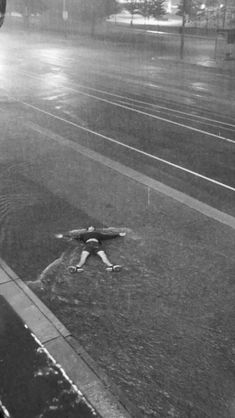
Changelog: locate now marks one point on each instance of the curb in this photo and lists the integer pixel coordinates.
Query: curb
(104, 397)
(136, 176)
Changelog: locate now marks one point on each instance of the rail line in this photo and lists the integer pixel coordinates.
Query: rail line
(132, 105)
(119, 143)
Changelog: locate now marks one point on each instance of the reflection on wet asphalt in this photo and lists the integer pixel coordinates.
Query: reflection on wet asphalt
(163, 328)
(32, 384)
(29, 217)
(160, 328)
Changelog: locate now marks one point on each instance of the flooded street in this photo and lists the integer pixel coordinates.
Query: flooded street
(32, 384)
(97, 136)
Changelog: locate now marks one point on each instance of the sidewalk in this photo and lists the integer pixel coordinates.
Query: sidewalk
(32, 384)
(199, 51)
(59, 343)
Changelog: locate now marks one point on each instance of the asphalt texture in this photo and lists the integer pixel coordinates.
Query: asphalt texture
(163, 328)
(177, 118)
(32, 384)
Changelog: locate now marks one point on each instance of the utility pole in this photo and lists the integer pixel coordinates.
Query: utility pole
(65, 17)
(225, 12)
(183, 30)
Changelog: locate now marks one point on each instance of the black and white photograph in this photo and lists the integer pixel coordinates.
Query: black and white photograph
(117, 208)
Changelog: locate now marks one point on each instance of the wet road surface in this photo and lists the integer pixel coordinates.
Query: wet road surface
(163, 328)
(173, 124)
(32, 384)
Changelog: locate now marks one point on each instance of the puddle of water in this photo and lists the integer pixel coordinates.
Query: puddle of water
(32, 384)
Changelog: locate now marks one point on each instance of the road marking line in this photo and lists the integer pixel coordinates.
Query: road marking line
(126, 146)
(137, 101)
(141, 112)
(150, 183)
(142, 102)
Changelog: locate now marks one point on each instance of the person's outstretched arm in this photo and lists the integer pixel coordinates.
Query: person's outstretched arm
(111, 235)
(74, 234)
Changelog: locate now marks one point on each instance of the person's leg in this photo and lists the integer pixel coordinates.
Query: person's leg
(78, 267)
(83, 258)
(110, 266)
(104, 258)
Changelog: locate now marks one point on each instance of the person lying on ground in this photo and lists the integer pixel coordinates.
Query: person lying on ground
(92, 240)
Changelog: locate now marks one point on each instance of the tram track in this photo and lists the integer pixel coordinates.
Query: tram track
(218, 129)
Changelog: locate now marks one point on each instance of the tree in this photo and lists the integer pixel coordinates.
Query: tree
(154, 8)
(35, 6)
(132, 8)
(94, 10)
(145, 9)
(191, 8)
(157, 8)
(29, 7)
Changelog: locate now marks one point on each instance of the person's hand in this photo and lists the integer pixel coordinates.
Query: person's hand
(122, 234)
(59, 235)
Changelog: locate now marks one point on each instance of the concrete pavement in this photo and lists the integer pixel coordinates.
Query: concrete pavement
(60, 344)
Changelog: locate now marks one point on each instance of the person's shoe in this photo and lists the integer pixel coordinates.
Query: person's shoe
(75, 269)
(114, 268)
